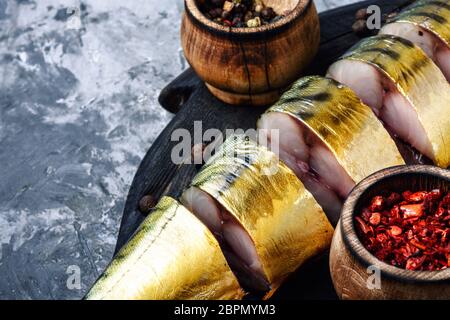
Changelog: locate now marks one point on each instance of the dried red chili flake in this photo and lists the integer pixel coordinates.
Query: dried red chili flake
(411, 210)
(409, 230)
(396, 231)
(363, 226)
(417, 244)
(416, 197)
(415, 263)
(375, 218)
(376, 204)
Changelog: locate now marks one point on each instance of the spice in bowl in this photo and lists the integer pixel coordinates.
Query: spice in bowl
(409, 230)
(239, 13)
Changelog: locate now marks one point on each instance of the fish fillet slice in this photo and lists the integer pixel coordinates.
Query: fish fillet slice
(270, 209)
(433, 46)
(236, 243)
(404, 88)
(427, 24)
(329, 138)
(172, 256)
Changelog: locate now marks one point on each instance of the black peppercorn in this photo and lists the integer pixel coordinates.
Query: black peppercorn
(267, 13)
(146, 204)
(239, 14)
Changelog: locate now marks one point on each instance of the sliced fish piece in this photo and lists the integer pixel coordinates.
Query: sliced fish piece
(426, 23)
(329, 138)
(204, 207)
(171, 256)
(414, 94)
(264, 200)
(236, 243)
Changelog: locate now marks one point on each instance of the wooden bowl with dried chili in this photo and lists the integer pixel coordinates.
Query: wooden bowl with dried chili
(247, 55)
(393, 240)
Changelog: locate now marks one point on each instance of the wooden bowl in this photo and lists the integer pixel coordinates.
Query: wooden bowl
(350, 260)
(251, 66)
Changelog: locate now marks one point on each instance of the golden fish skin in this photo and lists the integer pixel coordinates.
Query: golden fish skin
(431, 15)
(284, 221)
(418, 79)
(172, 256)
(343, 123)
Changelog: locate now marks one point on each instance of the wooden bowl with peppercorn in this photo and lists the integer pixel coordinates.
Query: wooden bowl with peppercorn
(249, 51)
(393, 238)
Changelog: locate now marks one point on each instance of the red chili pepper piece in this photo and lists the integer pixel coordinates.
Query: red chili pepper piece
(446, 200)
(381, 237)
(417, 244)
(228, 23)
(439, 212)
(411, 210)
(416, 197)
(396, 231)
(410, 231)
(410, 234)
(363, 226)
(375, 219)
(395, 212)
(377, 204)
(415, 263)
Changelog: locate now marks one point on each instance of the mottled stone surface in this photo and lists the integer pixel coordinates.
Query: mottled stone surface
(79, 82)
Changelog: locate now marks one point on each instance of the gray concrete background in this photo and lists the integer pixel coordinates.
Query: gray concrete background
(78, 111)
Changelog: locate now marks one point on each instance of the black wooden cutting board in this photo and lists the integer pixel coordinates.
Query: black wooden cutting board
(188, 98)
